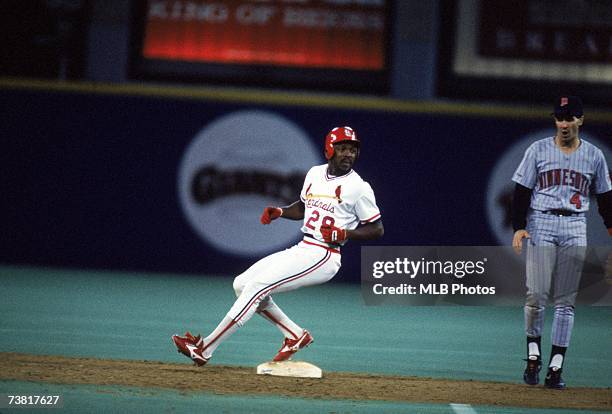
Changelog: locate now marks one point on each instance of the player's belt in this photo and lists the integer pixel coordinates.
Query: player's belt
(563, 213)
(310, 239)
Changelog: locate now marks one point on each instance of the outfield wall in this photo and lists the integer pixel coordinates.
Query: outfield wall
(154, 179)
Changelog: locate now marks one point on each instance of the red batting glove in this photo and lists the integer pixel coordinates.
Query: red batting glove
(610, 231)
(333, 234)
(270, 213)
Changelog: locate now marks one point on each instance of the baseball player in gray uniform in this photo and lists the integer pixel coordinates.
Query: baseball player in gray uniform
(553, 183)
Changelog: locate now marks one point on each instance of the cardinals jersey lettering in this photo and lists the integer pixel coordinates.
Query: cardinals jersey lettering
(344, 201)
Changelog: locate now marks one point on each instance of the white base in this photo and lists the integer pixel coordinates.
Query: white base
(298, 369)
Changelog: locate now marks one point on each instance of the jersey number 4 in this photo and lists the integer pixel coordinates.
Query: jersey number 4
(314, 217)
(575, 200)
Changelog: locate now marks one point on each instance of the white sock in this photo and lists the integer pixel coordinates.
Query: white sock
(274, 314)
(223, 331)
(534, 351)
(241, 311)
(556, 361)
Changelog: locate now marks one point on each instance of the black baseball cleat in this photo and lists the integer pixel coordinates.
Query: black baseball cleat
(531, 376)
(554, 380)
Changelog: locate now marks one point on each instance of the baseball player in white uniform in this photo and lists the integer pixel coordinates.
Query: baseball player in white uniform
(553, 184)
(336, 205)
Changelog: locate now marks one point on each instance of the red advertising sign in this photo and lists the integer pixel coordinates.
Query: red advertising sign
(334, 34)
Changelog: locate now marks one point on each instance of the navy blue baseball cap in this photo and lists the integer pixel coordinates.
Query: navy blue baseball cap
(568, 105)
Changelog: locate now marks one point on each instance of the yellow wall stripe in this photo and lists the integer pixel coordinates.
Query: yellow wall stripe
(319, 100)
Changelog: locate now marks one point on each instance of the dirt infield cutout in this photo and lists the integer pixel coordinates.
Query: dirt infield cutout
(233, 380)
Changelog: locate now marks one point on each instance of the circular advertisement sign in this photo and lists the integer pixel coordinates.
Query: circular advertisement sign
(233, 168)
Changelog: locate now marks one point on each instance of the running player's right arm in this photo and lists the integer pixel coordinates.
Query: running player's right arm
(294, 211)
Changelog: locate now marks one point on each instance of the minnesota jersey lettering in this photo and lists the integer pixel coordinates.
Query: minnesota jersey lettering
(556, 177)
(574, 179)
(561, 172)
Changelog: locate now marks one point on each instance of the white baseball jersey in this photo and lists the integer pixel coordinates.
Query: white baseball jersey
(343, 201)
(562, 181)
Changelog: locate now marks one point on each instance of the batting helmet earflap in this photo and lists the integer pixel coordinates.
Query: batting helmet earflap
(336, 135)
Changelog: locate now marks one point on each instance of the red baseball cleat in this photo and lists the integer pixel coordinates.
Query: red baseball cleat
(291, 346)
(192, 347)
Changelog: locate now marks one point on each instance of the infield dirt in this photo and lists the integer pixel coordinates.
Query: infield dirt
(334, 385)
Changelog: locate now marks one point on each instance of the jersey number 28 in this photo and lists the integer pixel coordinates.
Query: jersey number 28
(314, 217)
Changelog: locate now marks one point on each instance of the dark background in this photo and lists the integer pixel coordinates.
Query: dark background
(92, 179)
(90, 152)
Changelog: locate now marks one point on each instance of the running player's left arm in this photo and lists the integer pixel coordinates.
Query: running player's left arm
(368, 231)
(368, 213)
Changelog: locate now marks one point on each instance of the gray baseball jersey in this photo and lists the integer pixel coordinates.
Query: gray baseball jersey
(562, 181)
(557, 243)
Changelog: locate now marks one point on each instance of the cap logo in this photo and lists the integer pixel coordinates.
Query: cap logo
(564, 101)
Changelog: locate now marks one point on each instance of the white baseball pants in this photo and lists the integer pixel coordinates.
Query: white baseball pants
(306, 264)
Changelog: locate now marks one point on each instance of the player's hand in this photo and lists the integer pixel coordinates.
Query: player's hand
(270, 213)
(610, 231)
(333, 234)
(517, 240)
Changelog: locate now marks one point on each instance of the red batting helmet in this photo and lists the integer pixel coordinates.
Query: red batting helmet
(336, 135)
